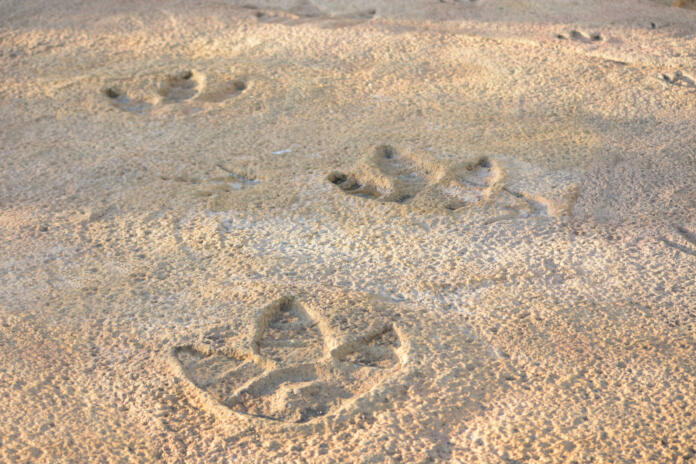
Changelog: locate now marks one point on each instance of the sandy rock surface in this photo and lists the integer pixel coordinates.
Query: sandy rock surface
(329, 231)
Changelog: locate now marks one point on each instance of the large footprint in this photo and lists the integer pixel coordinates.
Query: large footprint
(289, 374)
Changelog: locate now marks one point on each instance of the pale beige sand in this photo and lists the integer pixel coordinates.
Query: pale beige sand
(327, 231)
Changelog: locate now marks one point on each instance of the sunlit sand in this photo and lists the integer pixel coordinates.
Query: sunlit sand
(325, 231)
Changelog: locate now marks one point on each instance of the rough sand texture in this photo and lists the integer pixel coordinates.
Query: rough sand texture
(327, 231)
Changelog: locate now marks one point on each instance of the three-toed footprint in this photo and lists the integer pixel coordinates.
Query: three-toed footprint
(293, 372)
(390, 176)
(505, 188)
(394, 178)
(177, 87)
(219, 180)
(581, 36)
(679, 79)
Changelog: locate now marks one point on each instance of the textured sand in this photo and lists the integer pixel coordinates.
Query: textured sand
(327, 231)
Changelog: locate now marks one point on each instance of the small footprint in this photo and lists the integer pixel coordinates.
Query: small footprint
(266, 17)
(366, 14)
(688, 236)
(289, 374)
(580, 36)
(679, 79)
(313, 15)
(283, 17)
(221, 180)
(391, 177)
(179, 87)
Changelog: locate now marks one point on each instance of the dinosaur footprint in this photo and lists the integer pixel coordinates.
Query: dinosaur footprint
(289, 375)
(580, 36)
(679, 79)
(391, 177)
(397, 178)
(220, 180)
(501, 188)
(176, 88)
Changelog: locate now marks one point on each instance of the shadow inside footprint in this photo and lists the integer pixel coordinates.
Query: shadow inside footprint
(687, 236)
(351, 185)
(179, 87)
(401, 181)
(580, 36)
(122, 101)
(284, 18)
(679, 79)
